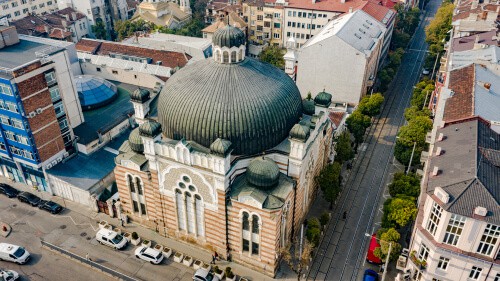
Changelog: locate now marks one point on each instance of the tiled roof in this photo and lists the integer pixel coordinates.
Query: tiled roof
(326, 5)
(379, 12)
(59, 33)
(459, 105)
(465, 10)
(336, 117)
(105, 48)
(469, 169)
(467, 42)
(234, 20)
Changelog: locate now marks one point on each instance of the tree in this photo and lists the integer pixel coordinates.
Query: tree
(386, 237)
(415, 131)
(344, 148)
(413, 111)
(403, 184)
(124, 29)
(401, 210)
(273, 55)
(329, 182)
(99, 29)
(192, 28)
(402, 153)
(313, 232)
(296, 261)
(357, 123)
(370, 105)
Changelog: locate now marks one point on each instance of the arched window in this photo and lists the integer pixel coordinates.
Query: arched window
(190, 212)
(245, 223)
(217, 55)
(138, 185)
(246, 237)
(189, 208)
(225, 55)
(200, 229)
(233, 56)
(241, 55)
(255, 224)
(130, 183)
(181, 218)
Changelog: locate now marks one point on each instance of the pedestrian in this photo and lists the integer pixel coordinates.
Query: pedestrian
(123, 219)
(344, 215)
(216, 255)
(213, 259)
(87, 257)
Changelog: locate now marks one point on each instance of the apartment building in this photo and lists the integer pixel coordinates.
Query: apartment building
(265, 22)
(17, 9)
(38, 105)
(66, 24)
(352, 41)
(230, 18)
(216, 10)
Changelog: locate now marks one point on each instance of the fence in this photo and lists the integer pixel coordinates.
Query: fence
(90, 263)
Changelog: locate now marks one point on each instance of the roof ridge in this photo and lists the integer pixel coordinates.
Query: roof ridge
(463, 191)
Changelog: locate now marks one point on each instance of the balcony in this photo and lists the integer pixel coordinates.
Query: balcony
(420, 264)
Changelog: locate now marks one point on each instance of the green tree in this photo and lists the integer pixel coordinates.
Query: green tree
(192, 28)
(370, 105)
(357, 123)
(403, 184)
(402, 153)
(273, 55)
(413, 111)
(386, 237)
(329, 181)
(415, 131)
(401, 210)
(125, 29)
(313, 232)
(344, 148)
(99, 29)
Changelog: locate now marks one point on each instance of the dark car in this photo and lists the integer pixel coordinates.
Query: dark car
(8, 190)
(50, 206)
(370, 275)
(29, 198)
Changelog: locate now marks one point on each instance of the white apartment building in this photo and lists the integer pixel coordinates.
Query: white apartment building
(17, 9)
(457, 230)
(352, 41)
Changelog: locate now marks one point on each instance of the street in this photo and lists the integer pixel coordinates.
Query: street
(342, 252)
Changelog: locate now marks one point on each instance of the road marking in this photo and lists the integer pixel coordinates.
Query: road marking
(77, 224)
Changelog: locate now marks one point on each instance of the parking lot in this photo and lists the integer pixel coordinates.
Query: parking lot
(76, 233)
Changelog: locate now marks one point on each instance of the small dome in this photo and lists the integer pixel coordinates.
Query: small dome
(150, 129)
(220, 147)
(263, 172)
(300, 132)
(228, 36)
(94, 92)
(135, 141)
(140, 95)
(308, 107)
(323, 99)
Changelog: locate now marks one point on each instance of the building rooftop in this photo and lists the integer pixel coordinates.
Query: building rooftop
(468, 169)
(357, 29)
(234, 20)
(475, 92)
(155, 56)
(105, 118)
(25, 52)
(383, 14)
(466, 9)
(85, 171)
(326, 5)
(467, 42)
(488, 55)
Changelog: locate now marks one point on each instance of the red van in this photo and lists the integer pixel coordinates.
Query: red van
(370, 257)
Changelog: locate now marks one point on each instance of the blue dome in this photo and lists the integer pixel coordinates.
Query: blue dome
(94, 92)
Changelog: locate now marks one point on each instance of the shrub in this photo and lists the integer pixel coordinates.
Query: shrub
(325, 217)
(313, 223)
(228, 272)
(134, 235)
(217, 270)
(313, 235)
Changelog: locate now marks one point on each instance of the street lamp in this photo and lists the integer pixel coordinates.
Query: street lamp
(411, 157)
(388, 255)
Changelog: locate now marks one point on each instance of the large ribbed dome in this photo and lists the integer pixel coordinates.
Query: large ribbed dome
(228, 36)
(252, 104)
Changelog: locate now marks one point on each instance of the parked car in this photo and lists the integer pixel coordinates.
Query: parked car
(111, 238)
(8, 275)
(149, 254)
(50, 206)
(370, 275)
(13, 253)
(370, 256)
(425, 71)
(204, 275)
(8, 190)
(29, 198)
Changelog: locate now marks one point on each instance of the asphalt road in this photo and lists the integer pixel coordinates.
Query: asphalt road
(74, 232)
(342, 252)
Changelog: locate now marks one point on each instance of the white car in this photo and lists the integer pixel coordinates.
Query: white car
(111, 238)
(13, 253)
(149, 254)
(8, 275)
(204, 275)
(425, 71)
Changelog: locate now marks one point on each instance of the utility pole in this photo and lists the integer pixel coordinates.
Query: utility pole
(387, 261)
(435, 63)
(411, 157)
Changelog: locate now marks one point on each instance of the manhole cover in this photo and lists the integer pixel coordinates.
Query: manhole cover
(89, 238)
(62, 226)
(83, 234)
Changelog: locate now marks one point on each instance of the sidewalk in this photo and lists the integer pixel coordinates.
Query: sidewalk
(177, 246)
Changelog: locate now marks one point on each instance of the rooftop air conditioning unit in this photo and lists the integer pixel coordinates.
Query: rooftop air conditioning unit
(435, 171)
(480, 211)
(48, 166)
(59, 159)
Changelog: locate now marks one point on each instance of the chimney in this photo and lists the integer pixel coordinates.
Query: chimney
(439, 151)
(441, 137)
(64, 23)
(350, 10)
(46, 28)
(66, 16)
(487, 86)
(73, 16)
(8, 36)
(435, 171)
(480, 211)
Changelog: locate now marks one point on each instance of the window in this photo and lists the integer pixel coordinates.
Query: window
(245, 222)
(260, 17)
(25, 10)
(475, 273)
(289, 13)
(288, 34)
(246, 245)
(41, 5)
(24, 1)
(63, 124)
(138, 185)
(255, 248)
(454, 229)
(143, 209)
(49, 3)
(277, 25)
(6, 7)
(16, 123)
(278, 15)
(130, 181)
(293, 24)
(276, 35)
(114, 71)
(17, 13)
(9, 16)
(423, 253)
(225, 56)
(267, 24)
(255, 224)
(22, 139)
(50, 77)
(2, 146)
(28, 154)
(434, 218)
(233, 56)
(136, 207)
(16, 151)
(200, 229)
(189, 208)
(10, 135)
(181, 219)
(4, 120)
(10, 106)
(443, 263)
(59, 108)
(54, 94)
(98, 69)
(13, 4)
(299, 14)
(497, 277)
(294, 13)
(489, 239)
